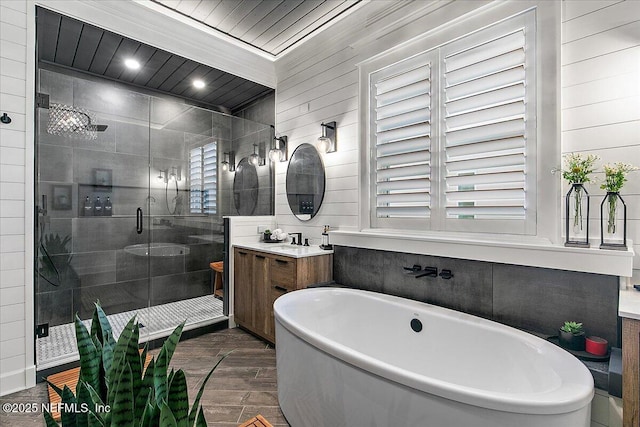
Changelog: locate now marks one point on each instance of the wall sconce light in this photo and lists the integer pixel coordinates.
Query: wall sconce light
(232, 161)
(279, 152)
(224, 164)
(262, 158)
(228, 162)
(254, 159)
(162, 177)
(327, 142)
(176, 174)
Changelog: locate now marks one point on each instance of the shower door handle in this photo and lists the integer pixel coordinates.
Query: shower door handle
(139, 219)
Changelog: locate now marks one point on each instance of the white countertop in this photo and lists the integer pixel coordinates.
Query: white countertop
(629, 306)
(285, 249)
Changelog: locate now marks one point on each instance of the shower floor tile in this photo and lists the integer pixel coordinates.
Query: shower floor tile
(158, 321)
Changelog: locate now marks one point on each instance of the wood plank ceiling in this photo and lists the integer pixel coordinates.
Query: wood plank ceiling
(272, 26)
(71, 43)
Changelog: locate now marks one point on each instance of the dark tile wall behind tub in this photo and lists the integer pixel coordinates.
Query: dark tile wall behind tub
(540, 299)
(535, 299)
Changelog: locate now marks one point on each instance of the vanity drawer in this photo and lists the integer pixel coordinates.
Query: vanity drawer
(283, 272)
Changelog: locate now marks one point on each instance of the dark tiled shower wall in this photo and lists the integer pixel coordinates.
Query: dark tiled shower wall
(530, 298)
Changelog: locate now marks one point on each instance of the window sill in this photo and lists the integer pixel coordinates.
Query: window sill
(533, 253)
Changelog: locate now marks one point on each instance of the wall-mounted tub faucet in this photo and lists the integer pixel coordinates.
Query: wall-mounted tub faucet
(429, 272)
(413, 269)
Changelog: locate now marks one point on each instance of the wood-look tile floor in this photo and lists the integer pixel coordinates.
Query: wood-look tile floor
(243, 386)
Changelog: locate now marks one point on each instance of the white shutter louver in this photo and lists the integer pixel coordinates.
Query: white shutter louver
(210, 177)
(485, 131)
(203, 179)
(401, 121)
(195, 180)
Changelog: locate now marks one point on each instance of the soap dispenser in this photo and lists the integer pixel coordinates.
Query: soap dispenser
(97, 207)
(108, 208)
(87, 208)
(325, 239)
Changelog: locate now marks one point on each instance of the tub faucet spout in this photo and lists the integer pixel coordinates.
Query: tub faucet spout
(429, 272)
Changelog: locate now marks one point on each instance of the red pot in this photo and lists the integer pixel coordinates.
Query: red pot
(596, 345)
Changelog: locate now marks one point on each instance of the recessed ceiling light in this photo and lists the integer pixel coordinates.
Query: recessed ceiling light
(198, 84)
(132, 63)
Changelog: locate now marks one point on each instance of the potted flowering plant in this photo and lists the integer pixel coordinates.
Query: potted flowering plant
(577, 172)
(615, 177)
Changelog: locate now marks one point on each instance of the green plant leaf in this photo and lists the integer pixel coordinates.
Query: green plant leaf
(107, 360)
(160, 377)
(196, 402)
(68, 418)
(146, 390)
(102, 324)
(125, 353)
(172, 341)
(83, 396)
(95, 421)
(147, 415)
(119, 351)
(122, 409)
(201, 422)
(55, 388)
(90, 358)
(166, 417)
(49, 421)
(170, 378)
(179, 399)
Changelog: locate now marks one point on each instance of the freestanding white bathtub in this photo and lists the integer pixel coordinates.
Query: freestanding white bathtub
(348, 358)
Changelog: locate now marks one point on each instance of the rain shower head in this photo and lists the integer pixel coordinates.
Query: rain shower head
(74, 122)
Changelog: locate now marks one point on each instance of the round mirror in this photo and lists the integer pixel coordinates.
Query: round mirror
(305, 182)
(245, 188)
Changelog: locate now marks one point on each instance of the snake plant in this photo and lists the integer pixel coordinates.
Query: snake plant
(114, 388)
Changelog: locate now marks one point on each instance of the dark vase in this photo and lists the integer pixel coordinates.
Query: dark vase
(571, 341)
(267, 237)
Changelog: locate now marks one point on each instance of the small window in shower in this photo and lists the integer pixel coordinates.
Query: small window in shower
(203, 174)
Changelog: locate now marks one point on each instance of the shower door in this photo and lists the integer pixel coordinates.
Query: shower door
(185, 233)
(92, 190)
(126, 213)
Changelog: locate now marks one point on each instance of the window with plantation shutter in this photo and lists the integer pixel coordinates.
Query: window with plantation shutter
(489, 130)
(453, 135)
(401, 129)
(203, 174)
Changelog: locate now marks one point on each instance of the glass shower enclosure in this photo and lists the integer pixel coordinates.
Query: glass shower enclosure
(130, 198)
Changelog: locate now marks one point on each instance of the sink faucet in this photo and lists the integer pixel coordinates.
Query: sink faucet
(299, 241)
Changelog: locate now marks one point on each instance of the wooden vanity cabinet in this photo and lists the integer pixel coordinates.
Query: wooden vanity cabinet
(260, 278)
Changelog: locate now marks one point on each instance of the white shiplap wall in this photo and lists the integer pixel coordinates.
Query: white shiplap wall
(16, 313)
(318, 83)
(600, 111)
(601, 93)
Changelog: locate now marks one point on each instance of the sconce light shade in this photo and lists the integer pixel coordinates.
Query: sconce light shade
(254, 159)
(327, 142)
(225, 164)
(232, 161)
(279, 152)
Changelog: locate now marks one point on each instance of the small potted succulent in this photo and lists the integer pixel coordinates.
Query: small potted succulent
(267, 235)
(571, 336)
